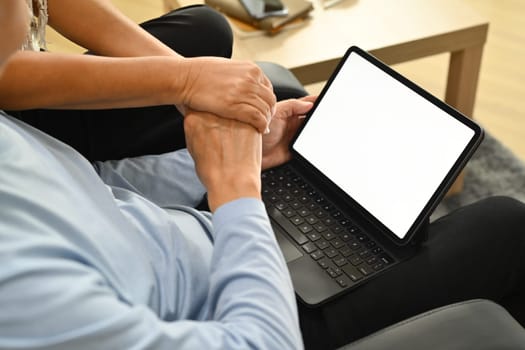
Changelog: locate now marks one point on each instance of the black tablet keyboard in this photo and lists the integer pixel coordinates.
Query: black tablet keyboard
(338, 245)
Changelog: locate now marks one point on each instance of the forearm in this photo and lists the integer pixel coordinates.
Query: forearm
(48, 80)
(116, 35)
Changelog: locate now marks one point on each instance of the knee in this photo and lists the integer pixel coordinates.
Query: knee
(502, 215)
(498, 216)
(504, 206)
(209, 29)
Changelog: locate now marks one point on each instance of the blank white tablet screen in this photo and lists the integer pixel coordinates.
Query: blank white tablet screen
(386, 146)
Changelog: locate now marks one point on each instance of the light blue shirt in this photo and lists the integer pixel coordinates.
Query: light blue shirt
(113, 256)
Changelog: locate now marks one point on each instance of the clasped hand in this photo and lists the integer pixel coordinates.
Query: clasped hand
(230, 89)
(229, 154)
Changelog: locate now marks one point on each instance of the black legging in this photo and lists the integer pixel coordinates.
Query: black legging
(119, 133)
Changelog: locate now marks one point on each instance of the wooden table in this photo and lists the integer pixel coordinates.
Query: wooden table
(394, 31)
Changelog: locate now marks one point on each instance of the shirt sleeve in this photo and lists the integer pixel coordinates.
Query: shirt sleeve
(167, 180)
(52, 300)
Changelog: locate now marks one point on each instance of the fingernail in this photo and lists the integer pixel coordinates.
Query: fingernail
(267, 131)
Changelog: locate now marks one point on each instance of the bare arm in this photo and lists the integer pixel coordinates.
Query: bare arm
(49, 80)
(99, 26)
(152, 74)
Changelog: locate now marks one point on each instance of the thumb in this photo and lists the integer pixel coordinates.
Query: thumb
(290, 108)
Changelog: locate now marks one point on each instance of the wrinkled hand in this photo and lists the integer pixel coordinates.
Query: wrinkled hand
(283, 127)
(230, 89)
(227, 155)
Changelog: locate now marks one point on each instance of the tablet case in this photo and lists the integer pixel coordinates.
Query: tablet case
(296, 9)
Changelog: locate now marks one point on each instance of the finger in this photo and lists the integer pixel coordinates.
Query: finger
(253, 110)
(248, 114)
(292, 107)
(309, 98)
(268, 96)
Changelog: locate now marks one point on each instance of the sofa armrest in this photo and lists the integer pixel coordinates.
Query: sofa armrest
(475, 324)
(285, 84)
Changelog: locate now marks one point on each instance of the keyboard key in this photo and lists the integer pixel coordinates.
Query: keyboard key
(339, 261)
(280, 191)
(317, 255)
(323, 263)
(271, 184)
(297, 220)
(354, 245)
(333, 272)
(288, 212)
(355, 260)
(378, 266)
(322, 244)
(320, 227)
(364, 253)
(330, 252)
(353, 230)
(365, 269)
(281, 205)
(352, 272)
(345, 251)
(362, 237)
(329, 208)
(295, 192)
(370, 244)
(337, 243)
(377, 250)
(304, 199)
(328, 221)
(311, 206)
(372, 260)
(304, 186)
(319, 213)
(328, 235)
(344, 222)
(346, 237)
(313, 236)
(386, 259)
(337, 229)
(305, 228)
(312, 220)
(309, 247)
(343, 281)
(320, 200)
(303, 212)
(296, 204)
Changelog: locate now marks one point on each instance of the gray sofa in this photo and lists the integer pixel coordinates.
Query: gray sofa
(474, 324)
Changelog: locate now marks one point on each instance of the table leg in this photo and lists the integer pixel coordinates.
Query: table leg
(463, 74)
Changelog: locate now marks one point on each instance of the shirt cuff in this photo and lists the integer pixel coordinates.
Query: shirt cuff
(236, 209)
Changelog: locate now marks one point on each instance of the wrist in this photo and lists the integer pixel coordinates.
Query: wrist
(177, 76)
